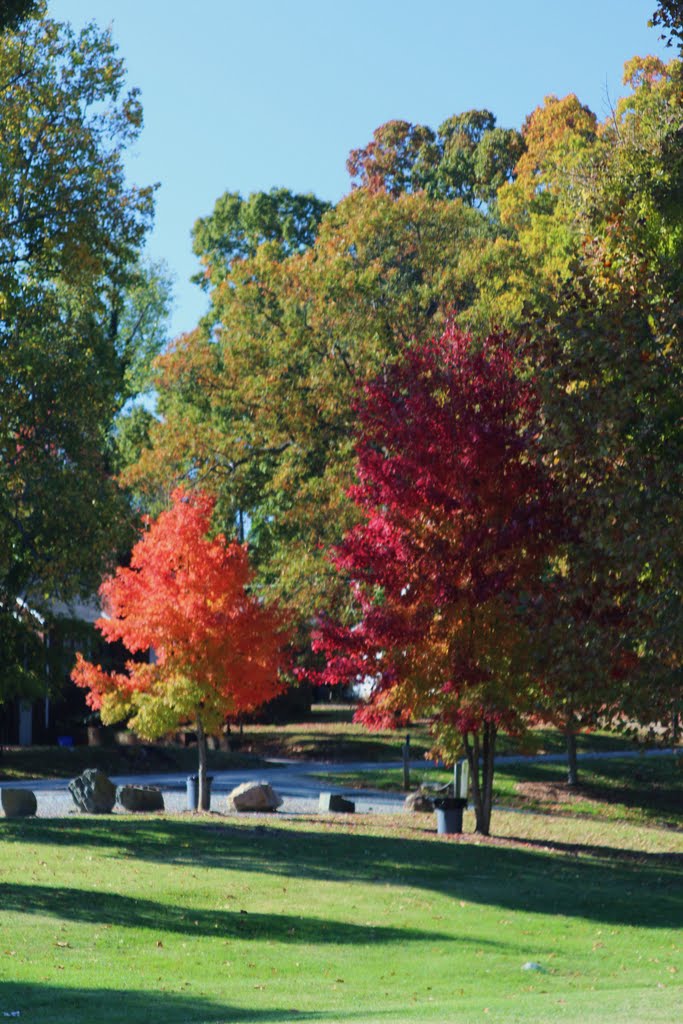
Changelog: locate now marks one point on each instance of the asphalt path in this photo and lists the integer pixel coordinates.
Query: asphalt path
(294, 781)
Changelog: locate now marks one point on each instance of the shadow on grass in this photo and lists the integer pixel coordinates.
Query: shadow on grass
(106, 908)
(652, 785)
(642, 889)
(66, 762)
(551, 741)
(614, 853)
(54, 1004)
(323, 746)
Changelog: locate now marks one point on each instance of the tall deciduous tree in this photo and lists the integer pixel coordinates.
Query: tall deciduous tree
(260, 412)
(71, 351)
(237, 227)
(592, 267)
(217, 650)
(457, 521)
(468, 158)
(608, 350)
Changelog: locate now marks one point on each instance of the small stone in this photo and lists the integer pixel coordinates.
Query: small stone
(531, 965)
(18, 803)
(93, 792)
(253, 796)
(140, 798)
(335, 803)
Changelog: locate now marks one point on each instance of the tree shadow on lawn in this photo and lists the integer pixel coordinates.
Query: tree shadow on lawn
(651, 785)
(106, 908)
(49, 1003)
(600, 883)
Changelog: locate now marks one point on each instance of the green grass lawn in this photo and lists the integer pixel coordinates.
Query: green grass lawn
(358, 919)
(639, 790)
(329, 734)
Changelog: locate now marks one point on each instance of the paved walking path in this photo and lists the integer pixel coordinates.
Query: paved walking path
(294, 781)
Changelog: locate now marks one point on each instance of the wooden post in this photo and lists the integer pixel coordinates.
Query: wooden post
(406, 762)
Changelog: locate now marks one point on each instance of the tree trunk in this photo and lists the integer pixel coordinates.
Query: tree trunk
(472, 754)
(572, 763)
(487, 769)
(481, 775)
(203, 796)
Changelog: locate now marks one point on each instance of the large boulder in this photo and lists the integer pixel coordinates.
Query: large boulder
(335, 803)
(418, 803)
(18, 803)
(93, 792)
(140, 798)
(253, 796)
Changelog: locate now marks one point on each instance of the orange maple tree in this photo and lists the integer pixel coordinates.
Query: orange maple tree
(212, 649)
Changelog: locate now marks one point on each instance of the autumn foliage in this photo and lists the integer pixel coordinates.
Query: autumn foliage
(457, 519)
(216, 649)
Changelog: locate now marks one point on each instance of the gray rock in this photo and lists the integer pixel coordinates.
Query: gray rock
(18, 803)
(253, 796)
(93, 792)
(140, 798)
(335, 803)
(418, 803)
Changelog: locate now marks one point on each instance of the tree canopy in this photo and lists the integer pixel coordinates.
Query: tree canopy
(237, 227)
(74, 342)
(217, 650)
(566, 234)
(457, 520)
(15, 11)
(468, 158)
(260, 410)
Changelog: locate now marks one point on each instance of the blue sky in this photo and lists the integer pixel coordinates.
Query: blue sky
(250, 95)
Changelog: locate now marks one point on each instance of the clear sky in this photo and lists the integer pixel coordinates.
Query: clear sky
(248, 95)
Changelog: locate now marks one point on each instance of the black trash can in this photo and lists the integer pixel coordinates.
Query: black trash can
(193, 792)
(449, 814)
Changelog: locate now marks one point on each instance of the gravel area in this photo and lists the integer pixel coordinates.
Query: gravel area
(58, 803)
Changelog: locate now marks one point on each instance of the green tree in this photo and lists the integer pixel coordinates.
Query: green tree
(237, 226)
(610, 354)
(669, 16)
(593, 252)
(468, 158)
(15, 11)
(260, 410)
(588, 267)
(70, 353)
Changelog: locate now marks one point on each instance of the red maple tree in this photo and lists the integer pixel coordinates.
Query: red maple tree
(457, 520)
(217, 650)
